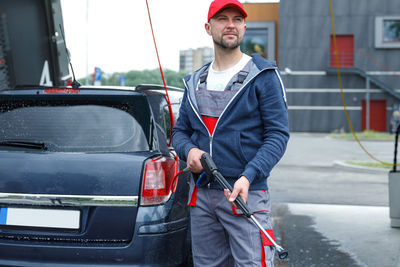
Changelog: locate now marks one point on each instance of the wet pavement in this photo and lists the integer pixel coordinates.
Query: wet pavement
(329, 216)
(306, 246)
(336, 235)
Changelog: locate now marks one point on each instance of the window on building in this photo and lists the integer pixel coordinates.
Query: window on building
(260, 38)
(256, 41)
(391, 30)
(387, 32)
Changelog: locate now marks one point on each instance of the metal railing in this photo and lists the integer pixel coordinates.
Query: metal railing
(345, 59)
(346, 63)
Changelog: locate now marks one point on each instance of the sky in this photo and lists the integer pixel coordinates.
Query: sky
(117, 34)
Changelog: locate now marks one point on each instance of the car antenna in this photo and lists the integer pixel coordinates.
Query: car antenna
(75, 84)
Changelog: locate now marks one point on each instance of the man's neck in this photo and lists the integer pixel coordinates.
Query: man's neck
(225, 59)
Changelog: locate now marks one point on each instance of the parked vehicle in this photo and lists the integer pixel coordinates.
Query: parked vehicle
(87, 178)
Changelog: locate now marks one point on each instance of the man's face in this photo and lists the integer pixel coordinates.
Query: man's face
(227, 28)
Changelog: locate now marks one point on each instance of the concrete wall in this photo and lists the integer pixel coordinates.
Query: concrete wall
(305, 28)
(304, 39)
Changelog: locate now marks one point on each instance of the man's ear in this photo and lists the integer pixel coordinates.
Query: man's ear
(207, 26)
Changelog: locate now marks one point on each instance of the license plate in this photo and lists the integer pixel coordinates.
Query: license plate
(48, 218)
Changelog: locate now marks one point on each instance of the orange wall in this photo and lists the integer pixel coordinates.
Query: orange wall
(264, 12)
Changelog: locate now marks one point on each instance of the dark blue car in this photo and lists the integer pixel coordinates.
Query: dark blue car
(87, 177)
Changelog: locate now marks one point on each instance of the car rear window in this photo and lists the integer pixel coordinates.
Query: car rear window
(73, 125)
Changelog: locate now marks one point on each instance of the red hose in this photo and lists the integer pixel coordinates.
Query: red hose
(162, 76)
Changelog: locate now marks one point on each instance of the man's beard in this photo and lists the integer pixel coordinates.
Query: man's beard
(226, 45)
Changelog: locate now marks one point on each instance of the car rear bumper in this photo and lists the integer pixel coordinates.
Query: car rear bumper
(155, 243)
(166, 249)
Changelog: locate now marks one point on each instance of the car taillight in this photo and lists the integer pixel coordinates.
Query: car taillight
(62, 90)
(158, 181)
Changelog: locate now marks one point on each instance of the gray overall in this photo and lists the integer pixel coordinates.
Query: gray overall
(222, 235)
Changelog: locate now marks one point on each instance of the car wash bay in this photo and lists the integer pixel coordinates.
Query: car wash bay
(326, 215)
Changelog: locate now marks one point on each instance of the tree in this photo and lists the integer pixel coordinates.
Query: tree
(136, 77)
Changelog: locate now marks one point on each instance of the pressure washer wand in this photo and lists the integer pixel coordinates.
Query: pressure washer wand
(211, 169)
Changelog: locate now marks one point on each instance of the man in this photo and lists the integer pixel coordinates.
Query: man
(234, 109)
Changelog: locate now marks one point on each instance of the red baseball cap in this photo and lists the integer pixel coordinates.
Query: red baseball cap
(218, 5)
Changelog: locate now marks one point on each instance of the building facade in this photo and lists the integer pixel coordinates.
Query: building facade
(193, 59)
(367, 36)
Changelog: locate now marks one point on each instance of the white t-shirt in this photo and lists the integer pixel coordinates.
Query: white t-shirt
(218, 80)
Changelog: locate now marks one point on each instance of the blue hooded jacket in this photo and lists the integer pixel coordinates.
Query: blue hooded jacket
(251, 134)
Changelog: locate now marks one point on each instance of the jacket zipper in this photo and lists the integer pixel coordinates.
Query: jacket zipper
(211, 136)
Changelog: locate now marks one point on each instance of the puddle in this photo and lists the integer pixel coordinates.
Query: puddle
(307, 247)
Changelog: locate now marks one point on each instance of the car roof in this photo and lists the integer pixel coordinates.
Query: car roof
(90, 89)
(145, 87)
(103, 90)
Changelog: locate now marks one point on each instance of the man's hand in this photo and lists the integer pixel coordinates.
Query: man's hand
(193, 160)
(241, 188)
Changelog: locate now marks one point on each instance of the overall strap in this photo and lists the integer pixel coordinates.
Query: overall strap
(237, 80)
(203, 79)
(234, 84)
